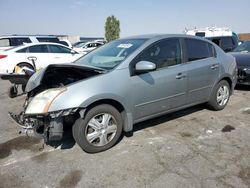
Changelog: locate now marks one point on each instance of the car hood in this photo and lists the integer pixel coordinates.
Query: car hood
(242, 59)
(58, 75)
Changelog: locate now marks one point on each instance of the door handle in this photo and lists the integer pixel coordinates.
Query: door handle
(214, 66)
(30, 58)
(180, 76)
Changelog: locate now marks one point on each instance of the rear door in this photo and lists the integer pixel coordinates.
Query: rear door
(202, 69)
(165, 88)
(40, 54)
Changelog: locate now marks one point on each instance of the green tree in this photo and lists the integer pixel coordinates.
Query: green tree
(112, 28)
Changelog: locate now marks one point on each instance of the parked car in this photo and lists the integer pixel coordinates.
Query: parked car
(43, 53)
(125, 82)
(87, 47)
(10, 41)
(65, 43)
(227, 43)
(242, 56)
(223, 37)
(79, 43)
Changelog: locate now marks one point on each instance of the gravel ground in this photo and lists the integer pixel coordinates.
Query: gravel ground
(195, 147)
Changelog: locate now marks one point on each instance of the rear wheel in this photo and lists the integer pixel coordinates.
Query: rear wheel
(21, 66)
(220, 96)
(99, 130)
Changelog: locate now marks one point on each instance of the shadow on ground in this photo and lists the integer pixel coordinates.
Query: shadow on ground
(165, 118)
(242, 87)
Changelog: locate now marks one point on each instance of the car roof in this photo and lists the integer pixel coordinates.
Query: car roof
(16, 36)
(163, 36)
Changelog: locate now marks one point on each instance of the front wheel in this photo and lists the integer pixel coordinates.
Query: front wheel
(99, 130)
(220, 96)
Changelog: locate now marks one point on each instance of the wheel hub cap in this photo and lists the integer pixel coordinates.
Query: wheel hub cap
(101, 129)
(222, 95)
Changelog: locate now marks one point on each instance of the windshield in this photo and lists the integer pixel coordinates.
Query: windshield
(111, 54)
(79, 45)
(244, 47)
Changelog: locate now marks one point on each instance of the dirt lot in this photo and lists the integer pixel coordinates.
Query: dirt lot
(183, 149)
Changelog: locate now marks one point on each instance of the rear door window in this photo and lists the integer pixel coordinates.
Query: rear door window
(197, 49)
(58, 49)
(5, 42)
(38, 49)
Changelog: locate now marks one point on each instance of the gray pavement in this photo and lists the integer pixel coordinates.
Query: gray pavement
(183, 149)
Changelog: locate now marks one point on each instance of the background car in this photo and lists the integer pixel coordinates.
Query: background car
(87, 47)
(43, 54)
(227, 43)
(223, 37)
(65, 42)
(242, 56)
(125, 82)
(10, 41)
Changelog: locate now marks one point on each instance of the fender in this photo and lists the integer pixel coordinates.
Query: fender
(127, 115)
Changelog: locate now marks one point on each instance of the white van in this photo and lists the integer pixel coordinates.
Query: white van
(223, 37)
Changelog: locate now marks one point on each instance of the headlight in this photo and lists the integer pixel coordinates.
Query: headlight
(246, 69)
(40, 104)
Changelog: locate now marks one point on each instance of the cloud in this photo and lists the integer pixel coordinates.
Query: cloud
(76, 4)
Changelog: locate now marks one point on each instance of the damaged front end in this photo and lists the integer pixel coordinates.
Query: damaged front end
(42, 89)
(48, 126)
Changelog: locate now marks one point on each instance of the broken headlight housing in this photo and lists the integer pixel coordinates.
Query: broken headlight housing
(40, 103)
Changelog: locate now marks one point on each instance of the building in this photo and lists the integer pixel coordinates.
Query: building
(244, 36)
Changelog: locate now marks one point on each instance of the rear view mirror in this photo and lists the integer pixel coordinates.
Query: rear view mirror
(144, 66)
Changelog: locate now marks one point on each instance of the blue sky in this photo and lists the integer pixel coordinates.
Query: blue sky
(87, 17)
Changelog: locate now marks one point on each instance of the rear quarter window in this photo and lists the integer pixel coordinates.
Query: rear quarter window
(24, 50)
(20, 41)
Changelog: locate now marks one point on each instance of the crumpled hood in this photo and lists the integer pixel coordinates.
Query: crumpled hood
(64, 74)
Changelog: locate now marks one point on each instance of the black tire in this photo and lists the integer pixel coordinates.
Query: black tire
(12, 93)
(23, 87)
(81, 127)
(213, 104)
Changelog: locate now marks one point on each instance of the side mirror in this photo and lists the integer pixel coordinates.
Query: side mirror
(144, 66)
(73, 52)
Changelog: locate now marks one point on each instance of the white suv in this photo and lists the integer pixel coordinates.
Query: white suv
(7, 42)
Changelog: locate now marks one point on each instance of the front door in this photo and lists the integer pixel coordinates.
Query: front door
(165, 88)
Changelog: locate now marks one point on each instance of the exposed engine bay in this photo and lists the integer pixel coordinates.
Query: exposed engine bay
(50, 126)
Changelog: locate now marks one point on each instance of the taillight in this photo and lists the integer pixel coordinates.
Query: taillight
(2, 56)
